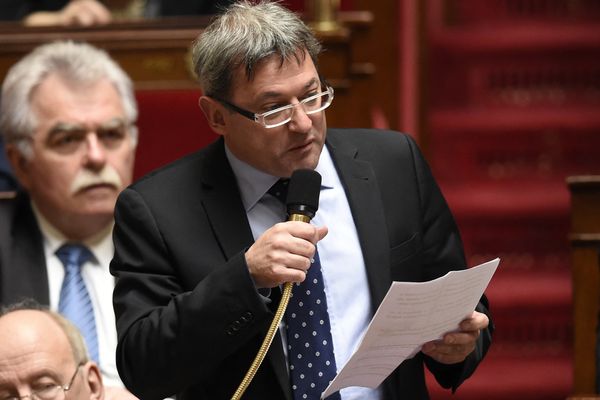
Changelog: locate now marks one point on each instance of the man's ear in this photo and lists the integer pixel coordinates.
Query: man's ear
(19, 164)
(214, 112)
(93, 380)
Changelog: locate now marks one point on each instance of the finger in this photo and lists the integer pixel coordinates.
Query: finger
(296, 254)
(476, 321)
(458, 342)
(303, 230)
(101, 14)
(271, 263)
(322, 231)
(78, 16)
(285, 244)
(458, 350)
(447, 354)
(290, 275)
(298, 262)
(461, 338)
(296, 237)
(447, 358)
(271, 275)
(87, 13)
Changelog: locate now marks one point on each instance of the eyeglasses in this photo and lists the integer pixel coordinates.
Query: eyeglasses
(282, 115)
(48, 391)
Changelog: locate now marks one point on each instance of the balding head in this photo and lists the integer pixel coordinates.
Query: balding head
(40, 347)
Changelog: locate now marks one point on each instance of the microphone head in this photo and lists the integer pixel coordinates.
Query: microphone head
(303, 192)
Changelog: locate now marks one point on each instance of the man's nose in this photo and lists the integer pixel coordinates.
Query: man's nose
(300, 121)
(95, 151)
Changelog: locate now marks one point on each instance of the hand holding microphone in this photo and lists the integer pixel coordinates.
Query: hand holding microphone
(284, 252)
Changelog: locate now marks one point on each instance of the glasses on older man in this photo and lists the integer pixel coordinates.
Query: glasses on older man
(282, 115)
(47, 391)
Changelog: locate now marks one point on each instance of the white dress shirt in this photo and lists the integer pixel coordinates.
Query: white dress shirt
(344, 273)
(99, 282)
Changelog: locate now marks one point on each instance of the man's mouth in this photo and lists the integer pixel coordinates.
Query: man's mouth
(302, 146)
(95, 186)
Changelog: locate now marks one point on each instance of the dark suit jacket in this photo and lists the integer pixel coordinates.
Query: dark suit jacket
(22, 260)
(189, 319)
(7, 179)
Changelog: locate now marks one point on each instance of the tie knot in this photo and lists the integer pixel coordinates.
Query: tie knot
(279, 189)
(73, 255)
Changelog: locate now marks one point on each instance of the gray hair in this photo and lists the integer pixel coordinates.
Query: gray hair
(74, 337)
(80, 63)
(244, 35)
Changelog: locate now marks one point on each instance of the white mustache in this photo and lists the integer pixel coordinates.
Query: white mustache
(85, 178)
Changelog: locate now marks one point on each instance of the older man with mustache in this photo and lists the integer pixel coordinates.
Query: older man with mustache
(68, 118)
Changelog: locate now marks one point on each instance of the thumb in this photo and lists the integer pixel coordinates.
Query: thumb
(322, 232)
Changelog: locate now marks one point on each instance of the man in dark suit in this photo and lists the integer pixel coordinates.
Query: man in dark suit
(201, 252)
(67, 116)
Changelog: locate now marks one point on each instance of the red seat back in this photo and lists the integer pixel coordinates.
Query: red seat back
(170, 125)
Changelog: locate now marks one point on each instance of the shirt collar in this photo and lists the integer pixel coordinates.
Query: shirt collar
(253, 183)
(327, 170)
(99, 244)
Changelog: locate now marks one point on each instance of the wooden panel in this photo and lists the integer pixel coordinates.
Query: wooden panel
(585, 246)
(380, 46)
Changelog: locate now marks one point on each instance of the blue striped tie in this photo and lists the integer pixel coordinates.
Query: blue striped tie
(75, 303)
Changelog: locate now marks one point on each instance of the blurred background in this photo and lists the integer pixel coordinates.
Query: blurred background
(502, 95)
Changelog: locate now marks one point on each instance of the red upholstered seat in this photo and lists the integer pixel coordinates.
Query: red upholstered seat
(170, 125)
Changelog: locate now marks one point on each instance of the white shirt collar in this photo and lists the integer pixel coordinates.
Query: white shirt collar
(254, 183)
(99, 244)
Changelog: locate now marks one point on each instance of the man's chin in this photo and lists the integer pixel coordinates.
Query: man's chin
(96, 211)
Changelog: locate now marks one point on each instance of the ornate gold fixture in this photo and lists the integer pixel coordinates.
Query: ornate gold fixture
(323, 15)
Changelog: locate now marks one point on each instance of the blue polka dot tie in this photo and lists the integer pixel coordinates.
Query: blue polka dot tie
(310, 346)
(75, 303)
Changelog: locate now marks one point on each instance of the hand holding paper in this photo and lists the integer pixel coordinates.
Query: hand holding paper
(410, 315)
(456, 346)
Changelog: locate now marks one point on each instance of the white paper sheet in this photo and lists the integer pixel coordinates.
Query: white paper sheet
(410, 315)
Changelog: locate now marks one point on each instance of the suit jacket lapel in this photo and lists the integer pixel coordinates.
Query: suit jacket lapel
(225, 210)
(23, 261)
(363, 191)
(223, 203)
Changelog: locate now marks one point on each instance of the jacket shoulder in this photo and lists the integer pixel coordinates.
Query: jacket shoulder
(373, 137)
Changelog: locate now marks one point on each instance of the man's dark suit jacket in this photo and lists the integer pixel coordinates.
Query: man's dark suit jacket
(7, 179)
(189, 318)
(22, 260)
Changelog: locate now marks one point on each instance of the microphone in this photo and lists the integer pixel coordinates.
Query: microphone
(303, 195)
